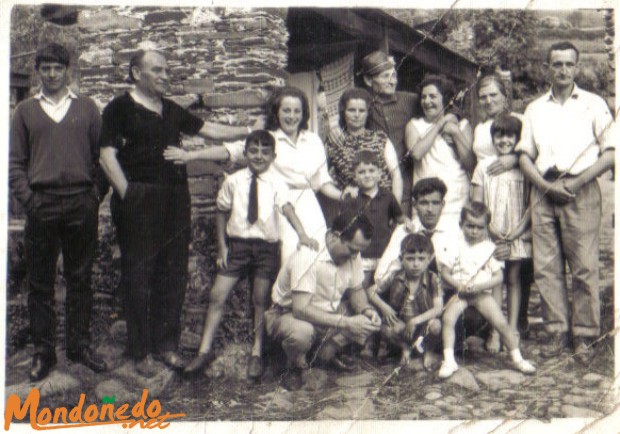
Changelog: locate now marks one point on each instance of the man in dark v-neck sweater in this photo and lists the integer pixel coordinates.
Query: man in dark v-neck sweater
(53, 160)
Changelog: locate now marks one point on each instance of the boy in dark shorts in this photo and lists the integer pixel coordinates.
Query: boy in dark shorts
(413, 301)
(379, 205)
(247, 231)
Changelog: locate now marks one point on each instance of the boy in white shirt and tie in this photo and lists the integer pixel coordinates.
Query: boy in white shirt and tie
(247, 230)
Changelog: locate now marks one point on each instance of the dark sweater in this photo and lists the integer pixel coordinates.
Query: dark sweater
(58, 158)
(141, 135)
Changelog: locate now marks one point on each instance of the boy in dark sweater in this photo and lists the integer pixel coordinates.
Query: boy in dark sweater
(379, 205)
(53, 160)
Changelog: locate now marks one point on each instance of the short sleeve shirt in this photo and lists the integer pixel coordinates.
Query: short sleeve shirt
(471, 264)
(302, 165)
(382, 210)
(400, 298)
(317, 274)
(273, 194)
(141, 135)
(443, 237)
(566, 137)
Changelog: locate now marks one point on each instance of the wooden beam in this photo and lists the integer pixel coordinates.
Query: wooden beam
(314, 48)
(403, 39)
(385, 43)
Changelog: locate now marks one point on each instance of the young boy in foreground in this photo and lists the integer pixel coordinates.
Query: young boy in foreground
(247, 231)
(414, 301)
(474, 272)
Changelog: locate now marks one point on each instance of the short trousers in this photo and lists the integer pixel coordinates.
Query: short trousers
(252, 256)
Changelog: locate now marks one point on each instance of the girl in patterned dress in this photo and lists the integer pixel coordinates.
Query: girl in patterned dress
(506, 195)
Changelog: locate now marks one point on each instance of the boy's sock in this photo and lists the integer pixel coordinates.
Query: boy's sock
(516, 356)
(448, 355)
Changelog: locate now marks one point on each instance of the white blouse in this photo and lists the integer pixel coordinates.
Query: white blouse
(302, 164)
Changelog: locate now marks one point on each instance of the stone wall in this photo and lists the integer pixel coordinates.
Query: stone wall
(223, 63)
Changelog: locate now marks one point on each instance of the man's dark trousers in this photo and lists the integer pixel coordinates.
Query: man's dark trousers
(153, 229)
(68, 224)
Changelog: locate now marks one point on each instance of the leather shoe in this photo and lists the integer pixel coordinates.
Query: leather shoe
(337, 363)
(41, 366)
(199, 364)
(583, 351)
(255, 368)
(87, 358)
(145, 367)
(170, 359)
(555, 346)
(292, 379)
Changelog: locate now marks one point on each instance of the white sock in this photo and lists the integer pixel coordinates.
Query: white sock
(516, 356)
(448, 355)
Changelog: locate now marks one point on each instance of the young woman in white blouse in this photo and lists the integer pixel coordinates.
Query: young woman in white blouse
(300, 160)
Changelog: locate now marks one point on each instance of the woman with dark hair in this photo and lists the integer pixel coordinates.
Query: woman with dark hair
(440, 145)
(301, 160)
(353, 109)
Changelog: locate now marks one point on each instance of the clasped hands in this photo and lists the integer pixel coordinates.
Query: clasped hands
(563, 190)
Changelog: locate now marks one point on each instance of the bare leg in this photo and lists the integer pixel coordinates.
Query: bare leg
(219, 294)
(394, 335)
(488, 308)
(513, 269)
(491, 311)
(454, 309)
(260, 297)
(493, 344)
(433, 332)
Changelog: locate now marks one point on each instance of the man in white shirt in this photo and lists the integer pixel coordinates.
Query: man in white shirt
(564, 147)
(428, 194)
(307, 299)
(428, 201)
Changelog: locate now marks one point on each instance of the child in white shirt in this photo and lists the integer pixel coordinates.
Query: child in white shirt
(474, 272)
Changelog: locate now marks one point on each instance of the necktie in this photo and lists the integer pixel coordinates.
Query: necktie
(253, 201)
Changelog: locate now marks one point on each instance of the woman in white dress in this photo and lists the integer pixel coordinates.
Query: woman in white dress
(301, 160)
(440, 145)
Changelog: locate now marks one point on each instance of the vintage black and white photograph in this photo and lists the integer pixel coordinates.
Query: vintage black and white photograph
(309, 214)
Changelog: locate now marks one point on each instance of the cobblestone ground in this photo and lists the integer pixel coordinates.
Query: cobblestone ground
(484, 387)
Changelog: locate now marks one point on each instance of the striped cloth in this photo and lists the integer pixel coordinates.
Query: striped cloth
(336, 77)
